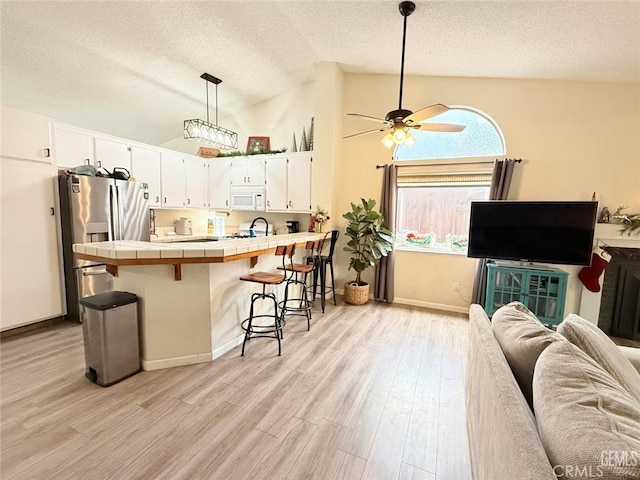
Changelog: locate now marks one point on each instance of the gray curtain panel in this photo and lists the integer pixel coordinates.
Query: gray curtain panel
(384, 288)
(499, 190)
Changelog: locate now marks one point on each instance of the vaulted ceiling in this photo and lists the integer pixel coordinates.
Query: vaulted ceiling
(132, 68)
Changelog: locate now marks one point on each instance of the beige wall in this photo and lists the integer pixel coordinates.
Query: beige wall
(575, 138)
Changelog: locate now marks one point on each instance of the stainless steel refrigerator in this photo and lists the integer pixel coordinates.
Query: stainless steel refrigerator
(97, 209)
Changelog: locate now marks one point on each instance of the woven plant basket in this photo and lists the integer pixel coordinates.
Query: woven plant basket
(355, 294)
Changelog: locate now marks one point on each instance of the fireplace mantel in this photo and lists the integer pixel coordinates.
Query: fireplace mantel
(605, 234)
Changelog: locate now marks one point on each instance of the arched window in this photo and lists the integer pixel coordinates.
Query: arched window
(481, 138)
(433, 203)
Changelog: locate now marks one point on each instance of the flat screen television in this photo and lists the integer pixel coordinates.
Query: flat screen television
(544, 232)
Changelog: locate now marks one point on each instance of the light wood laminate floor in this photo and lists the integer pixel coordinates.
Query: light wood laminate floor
(371, 392)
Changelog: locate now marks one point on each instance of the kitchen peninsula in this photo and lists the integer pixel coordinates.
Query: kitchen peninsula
(191, 301)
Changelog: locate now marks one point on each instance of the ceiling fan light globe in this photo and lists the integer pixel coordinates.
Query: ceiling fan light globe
(399, 135)
(387, 140)
(409, 140)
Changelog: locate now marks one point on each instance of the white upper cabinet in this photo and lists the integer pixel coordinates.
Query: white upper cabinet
(73, 147)
(112, 153)
(145, 167)
(219, 183)
(196, 178)
(299, 182)
(276, 183)
(289, 183)
(172, 180)
(26, 135)
(248, 171)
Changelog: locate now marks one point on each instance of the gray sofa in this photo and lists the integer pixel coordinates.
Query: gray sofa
(504, 437)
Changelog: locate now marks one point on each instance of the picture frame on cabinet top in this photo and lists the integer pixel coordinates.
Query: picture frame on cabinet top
(257, 144)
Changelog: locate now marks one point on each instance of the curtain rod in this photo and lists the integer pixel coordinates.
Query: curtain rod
(517, 160)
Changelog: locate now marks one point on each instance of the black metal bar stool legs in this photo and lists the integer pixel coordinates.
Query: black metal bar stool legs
(261, 330)
(269, 330)
(301, 305)
(320, 274)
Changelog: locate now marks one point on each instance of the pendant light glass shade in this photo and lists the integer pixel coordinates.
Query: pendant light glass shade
(209, 133)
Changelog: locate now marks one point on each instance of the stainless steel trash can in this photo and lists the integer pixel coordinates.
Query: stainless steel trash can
(110, 333)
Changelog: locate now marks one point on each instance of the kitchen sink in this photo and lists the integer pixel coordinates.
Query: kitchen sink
(198, 241)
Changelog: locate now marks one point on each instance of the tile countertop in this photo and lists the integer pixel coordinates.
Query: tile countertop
(171, 248)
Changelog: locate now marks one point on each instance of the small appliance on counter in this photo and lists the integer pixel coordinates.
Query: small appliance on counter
(292, 226)
(183, 226)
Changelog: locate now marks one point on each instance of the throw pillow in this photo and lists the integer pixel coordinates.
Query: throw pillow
(595, 343)
(522, 338)
(589, 425)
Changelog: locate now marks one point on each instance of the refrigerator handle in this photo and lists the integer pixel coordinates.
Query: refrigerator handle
(120, 201)
(112, 221)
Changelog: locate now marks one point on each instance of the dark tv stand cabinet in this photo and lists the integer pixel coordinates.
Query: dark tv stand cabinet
(541, 289)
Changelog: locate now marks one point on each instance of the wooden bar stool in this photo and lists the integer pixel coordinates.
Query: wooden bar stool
(320, 274)
(268, 330)
(299, 306)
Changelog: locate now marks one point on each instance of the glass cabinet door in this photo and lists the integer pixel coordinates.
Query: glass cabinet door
(542, 294)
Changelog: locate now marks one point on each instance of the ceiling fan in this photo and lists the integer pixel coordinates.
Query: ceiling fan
(400, 121)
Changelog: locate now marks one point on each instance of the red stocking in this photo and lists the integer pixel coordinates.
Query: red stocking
(589, 276)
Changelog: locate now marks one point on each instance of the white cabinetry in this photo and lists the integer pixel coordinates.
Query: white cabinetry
(25, 135)
(112, 153)
(277, 184)
(219, 183)
(195, 171)
(172, 180)
(289, 183)
(145, 167)
(30, 267)
(248, 171)
(73, 147)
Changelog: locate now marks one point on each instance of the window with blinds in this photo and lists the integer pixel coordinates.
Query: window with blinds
(433, 208)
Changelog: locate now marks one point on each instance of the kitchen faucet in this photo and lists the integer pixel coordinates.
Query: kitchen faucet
(253, 222)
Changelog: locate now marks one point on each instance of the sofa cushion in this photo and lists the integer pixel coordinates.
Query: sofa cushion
(588, 422)
(522, 338)
(595, 343)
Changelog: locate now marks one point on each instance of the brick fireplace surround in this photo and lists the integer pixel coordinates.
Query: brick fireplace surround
(608, 234)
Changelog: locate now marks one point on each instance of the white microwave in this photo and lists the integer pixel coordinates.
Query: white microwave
(247, 198)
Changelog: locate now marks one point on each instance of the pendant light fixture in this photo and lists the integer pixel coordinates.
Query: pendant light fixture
(205, 132)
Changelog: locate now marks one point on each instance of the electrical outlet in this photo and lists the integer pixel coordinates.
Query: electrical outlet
(456, 286)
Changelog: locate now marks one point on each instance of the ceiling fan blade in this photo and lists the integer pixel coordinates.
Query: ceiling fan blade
(426, 113)
(367, 117)
(366, 133)
(439, 127)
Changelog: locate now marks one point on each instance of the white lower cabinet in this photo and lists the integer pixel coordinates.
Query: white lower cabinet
(219, 183)
(172, 180)
(289, 183)
(145, 167)
(30, 262)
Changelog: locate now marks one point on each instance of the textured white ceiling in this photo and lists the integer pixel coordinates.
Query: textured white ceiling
(132, 68)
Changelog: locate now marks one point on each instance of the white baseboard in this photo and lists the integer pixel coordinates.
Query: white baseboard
(228, 346)
(435, 306)
(420, 303)
(176, 361)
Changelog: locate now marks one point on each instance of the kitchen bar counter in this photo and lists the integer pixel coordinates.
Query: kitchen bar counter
(176, 250)
(198, 318)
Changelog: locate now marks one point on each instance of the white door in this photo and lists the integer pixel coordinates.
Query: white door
(195, 169)
(239, 171)
(276, 173)
(145, 167)
(172, 180)
(219, 183)
(256, 174)
(299, 184)
(111, 154)
(25, 135)
(30, 267)
(73, 147)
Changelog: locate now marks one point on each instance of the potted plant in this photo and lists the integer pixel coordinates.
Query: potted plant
(368, 242)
